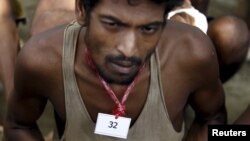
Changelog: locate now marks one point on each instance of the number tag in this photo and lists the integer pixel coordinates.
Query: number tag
(107, 125)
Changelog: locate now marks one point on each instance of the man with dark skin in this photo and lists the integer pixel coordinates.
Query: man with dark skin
(119, 36)
(232, 53)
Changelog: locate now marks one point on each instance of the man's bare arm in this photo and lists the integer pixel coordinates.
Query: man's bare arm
(208, 99)
(27, 103)
(211, 111)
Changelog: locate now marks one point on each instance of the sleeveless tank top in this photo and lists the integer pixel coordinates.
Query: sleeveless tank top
(153, 123)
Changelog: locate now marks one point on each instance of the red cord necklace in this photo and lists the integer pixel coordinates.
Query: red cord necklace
(120, 108)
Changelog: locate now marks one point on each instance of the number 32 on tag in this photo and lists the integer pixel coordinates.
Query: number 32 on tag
(110, 126)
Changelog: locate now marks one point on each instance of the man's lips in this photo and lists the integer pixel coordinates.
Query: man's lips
(122, 67)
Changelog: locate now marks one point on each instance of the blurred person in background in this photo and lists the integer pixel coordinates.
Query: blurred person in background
(51, 13)
(9, 45)
(48, 15)
(229, 34)
(231, 38)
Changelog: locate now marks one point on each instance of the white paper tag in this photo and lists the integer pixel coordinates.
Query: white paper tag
(107, 125)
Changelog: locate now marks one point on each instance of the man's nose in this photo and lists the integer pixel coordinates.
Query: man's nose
(127, 45)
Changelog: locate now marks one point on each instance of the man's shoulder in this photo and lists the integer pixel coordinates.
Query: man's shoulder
(41, 54)
(49, 38)
(177, 32)
(187, 45)
(44, 44)
(188, 52)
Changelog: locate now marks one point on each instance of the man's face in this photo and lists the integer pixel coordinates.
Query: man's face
(121, 37)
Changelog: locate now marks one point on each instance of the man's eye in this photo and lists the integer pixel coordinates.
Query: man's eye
(111, 24)
(148, 29)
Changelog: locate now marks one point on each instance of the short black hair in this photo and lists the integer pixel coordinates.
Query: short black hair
(170, 4)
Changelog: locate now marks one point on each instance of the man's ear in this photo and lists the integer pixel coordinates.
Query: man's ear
(80, 14)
